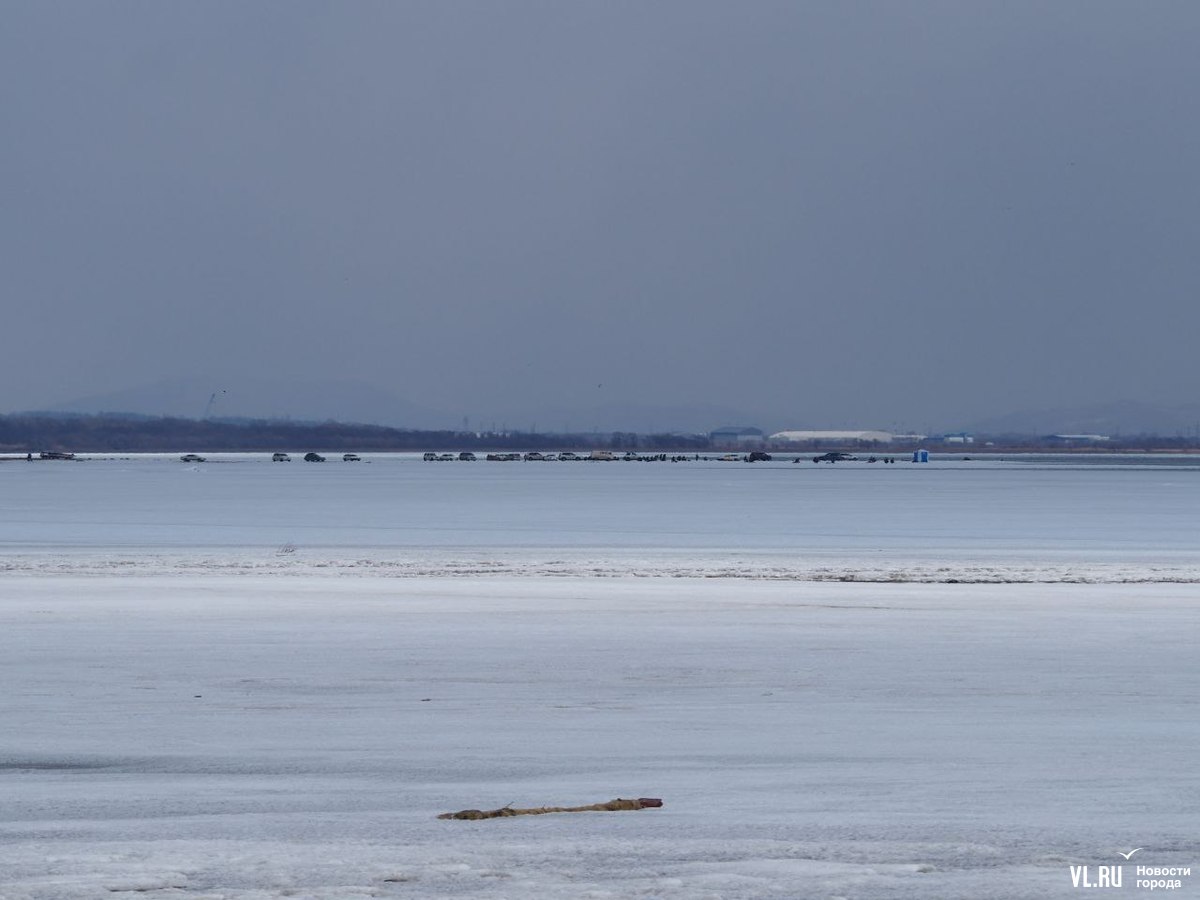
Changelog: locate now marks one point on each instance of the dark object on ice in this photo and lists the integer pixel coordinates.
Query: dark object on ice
(758, 456)
(833, 456)
(191, 457)
(313, 457)
(506, 811)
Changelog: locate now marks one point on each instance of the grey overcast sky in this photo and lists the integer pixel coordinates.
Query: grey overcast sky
(818, 213)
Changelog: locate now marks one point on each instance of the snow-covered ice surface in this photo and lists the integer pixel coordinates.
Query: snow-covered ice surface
(249, 681)
(1026, 519)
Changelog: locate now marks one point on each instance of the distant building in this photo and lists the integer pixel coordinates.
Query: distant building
(736, 436)
(817, 438)
(1072, 439)
(960, 437)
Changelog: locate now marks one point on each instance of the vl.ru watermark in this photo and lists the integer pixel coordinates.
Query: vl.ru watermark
(1145, 878)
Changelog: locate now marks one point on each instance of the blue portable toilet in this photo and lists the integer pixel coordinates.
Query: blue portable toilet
(921, 456)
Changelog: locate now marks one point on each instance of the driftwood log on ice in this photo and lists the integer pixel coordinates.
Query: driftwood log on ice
(505, 811)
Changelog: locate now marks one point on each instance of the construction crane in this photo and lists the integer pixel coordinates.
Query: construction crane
(211, 401)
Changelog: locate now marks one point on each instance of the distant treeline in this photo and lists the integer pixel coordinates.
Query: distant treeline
(113, 433)
(117, 433)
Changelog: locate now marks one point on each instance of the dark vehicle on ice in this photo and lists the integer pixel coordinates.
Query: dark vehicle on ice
(833, 456)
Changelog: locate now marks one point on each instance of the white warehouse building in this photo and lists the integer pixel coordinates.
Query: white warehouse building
(831, 437)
